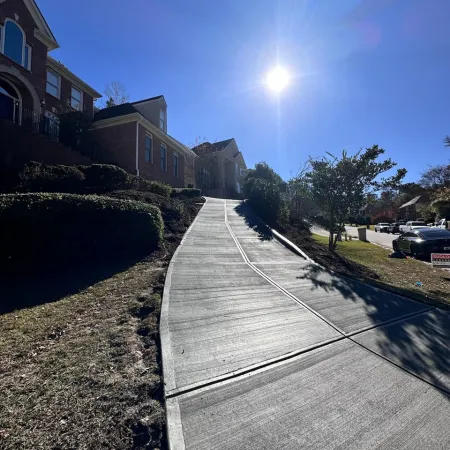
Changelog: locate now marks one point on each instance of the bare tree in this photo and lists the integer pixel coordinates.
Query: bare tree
(115, 93)
(447, 141)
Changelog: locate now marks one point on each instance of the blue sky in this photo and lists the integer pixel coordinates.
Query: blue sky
(363, 71)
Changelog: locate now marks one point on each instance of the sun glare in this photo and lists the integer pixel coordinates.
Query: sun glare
(277, 79)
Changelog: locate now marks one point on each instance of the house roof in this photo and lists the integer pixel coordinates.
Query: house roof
(148, 99)
(43, 33)
(222, 145)
(411, 202)
(63, 70)
(127, 109)
(207, 147)
(115, 111)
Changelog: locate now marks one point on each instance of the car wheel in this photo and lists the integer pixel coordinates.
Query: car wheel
(395, 246)
(375, 230)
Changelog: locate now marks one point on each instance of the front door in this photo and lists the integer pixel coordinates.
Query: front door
(6, 107)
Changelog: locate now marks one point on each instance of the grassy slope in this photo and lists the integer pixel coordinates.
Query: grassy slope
(82, 370)
(402, 274)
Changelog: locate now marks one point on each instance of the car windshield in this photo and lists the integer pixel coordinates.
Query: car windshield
(383, 224)
(434, 234)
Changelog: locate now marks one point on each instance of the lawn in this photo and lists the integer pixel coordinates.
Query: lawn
(400, 275)
(79, 350)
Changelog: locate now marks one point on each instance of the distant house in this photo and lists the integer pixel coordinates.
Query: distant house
(221, 168)
(365, 211)
(408, 210)
(135, 138)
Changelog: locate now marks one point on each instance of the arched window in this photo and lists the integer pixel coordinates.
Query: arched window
(13, 44)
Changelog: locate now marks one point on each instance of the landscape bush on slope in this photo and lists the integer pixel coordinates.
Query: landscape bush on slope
(97, 178)
(186, 193)
(262, 189)
(42, 228)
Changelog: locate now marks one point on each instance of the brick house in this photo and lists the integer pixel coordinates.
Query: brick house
(135, 136)
(29, 77)
(34, 87)
(221, 168)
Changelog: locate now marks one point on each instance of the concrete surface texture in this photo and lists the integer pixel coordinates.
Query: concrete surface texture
(264, 350)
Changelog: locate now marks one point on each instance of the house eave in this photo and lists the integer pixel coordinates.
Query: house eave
(43, 32)
(62, 70)
(137, 117)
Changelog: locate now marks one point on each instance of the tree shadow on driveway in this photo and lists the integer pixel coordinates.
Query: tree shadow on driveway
(254, 222)
(419, 344)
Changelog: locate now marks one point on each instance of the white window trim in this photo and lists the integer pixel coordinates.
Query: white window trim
(151, 148)
(163, 119)
(58, 76)
(24, 43)
(30, 50)
(165, 159)
(81, 96)
(175, 156)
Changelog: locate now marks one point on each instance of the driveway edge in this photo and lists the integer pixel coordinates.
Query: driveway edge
(173, 419)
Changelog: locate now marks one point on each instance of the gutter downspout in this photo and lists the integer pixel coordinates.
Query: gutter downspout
(137, 147)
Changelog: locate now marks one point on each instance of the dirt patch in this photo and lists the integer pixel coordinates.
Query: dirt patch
(320, 253)
(82, 370)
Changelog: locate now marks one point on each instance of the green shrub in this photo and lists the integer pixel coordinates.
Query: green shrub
(186, 193)
(44, 228)
(105, 177)
(265, 199)
(155, 187)
(37, 177)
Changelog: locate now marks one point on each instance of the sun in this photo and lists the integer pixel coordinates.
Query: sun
(277, 79)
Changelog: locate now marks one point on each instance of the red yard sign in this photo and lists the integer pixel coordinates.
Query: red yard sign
(440, 259)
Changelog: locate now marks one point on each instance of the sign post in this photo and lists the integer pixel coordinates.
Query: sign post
(441, 260)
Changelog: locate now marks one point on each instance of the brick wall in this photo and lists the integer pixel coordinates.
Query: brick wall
(119, 141)
(20, 146)
(152, 170)
(65, 94)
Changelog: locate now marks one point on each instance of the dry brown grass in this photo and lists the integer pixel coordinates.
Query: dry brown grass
(83, 372)
(400, 275)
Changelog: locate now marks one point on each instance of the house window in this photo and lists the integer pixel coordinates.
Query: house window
(148, 148)
(53, 83)
(163, 157)
(175, 165)
(13, 42)
(75, 99)
(162, 119)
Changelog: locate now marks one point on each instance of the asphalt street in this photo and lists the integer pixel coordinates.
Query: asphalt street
(262, 349)
(383, 239)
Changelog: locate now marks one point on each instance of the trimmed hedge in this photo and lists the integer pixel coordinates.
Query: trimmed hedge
(105, 177)
(47, 228)
(155, 187)
(97, 178)
(37, 177)
(186, 193)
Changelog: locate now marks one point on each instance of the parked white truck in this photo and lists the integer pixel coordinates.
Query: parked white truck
(441, 224)
(412, 225)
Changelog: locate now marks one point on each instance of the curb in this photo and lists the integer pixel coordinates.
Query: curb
(175, 439)
(290, 245)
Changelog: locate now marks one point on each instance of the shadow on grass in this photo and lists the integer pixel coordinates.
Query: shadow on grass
(418, 344)
(254, 222)
(47, 286)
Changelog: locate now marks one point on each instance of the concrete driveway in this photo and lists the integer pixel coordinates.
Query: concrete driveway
(263, 350)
